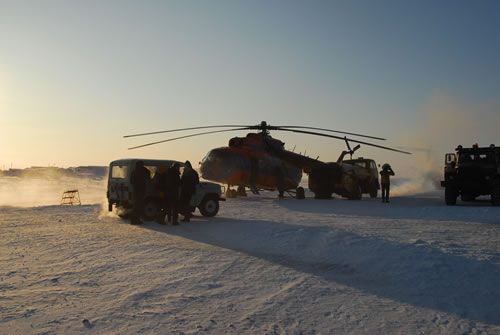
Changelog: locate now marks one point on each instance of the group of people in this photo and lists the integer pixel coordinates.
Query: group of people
(175, 189)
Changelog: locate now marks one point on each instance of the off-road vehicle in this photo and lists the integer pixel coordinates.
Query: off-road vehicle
(120, 190)
(471, 172)
(367, 175)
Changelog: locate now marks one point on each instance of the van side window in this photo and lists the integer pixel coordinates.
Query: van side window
(119, 171)
(152, 170)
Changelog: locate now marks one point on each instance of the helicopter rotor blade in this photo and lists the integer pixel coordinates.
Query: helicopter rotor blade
(332, 131)
(186, 136)
(182, 129)
(344, 138)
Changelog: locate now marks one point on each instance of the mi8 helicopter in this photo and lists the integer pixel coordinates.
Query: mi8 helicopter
(259, 161)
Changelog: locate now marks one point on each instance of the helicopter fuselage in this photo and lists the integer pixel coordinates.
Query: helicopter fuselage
(248, 161)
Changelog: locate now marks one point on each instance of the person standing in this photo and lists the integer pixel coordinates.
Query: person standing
(385, 181)
(172, 184)
(161, 186)
(189, 180)
(138, 180)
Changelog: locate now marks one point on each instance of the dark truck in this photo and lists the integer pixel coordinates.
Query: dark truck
(471, 172)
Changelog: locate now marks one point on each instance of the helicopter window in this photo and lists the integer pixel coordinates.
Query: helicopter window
(119, 171)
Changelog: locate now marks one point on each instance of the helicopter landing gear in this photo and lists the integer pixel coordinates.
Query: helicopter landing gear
(241, 192)
(300, 194)
(230, 193)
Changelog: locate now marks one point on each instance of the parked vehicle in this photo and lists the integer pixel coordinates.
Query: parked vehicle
(471, 172)
(120, 190)
(367, 175)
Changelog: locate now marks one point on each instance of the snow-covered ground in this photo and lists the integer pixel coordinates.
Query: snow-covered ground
(262, 266)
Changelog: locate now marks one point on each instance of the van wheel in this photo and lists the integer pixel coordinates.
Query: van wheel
(123, 213)
(209, 206)
(151, 210)
(373, 193)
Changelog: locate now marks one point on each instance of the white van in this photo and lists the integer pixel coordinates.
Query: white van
(120, 190)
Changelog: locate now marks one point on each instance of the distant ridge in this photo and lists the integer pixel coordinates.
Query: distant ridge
(97, 172)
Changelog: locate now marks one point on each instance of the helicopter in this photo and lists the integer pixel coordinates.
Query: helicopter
(259, 161)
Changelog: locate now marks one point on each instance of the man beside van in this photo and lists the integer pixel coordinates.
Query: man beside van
(138, 180)
(171, 193)
(189, 180)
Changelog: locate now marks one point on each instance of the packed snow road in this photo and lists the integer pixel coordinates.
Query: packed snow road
(262, 266)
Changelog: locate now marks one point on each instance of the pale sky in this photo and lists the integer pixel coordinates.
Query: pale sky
(77, 76)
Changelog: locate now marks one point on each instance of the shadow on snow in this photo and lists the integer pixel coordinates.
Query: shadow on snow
(419, 275)
(416, 208)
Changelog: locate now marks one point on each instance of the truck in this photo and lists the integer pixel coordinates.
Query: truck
(120, 193)
(472, 172)
(367, 175)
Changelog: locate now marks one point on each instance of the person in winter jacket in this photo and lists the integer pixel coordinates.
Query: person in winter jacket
(189, 180)
(138, 180)
(170, 186)
(385, 181)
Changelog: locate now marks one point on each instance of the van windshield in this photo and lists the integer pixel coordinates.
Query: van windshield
(119, 171)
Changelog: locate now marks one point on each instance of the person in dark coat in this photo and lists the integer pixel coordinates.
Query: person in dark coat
(172, 182)
(138, 180)
(161, 186)
(189, 180)
(385, 181)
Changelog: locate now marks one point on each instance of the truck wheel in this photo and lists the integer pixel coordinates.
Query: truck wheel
(356, 195)
(467, 197)
(374, 189)
(450, 196)
(323, 194)
(300, 193)
(495, 194)
(209, 206)
(151, 210)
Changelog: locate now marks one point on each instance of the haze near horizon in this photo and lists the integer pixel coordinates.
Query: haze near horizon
(76, 77)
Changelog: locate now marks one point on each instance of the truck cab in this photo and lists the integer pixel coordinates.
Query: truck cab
(472, 172)
(120, 193)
